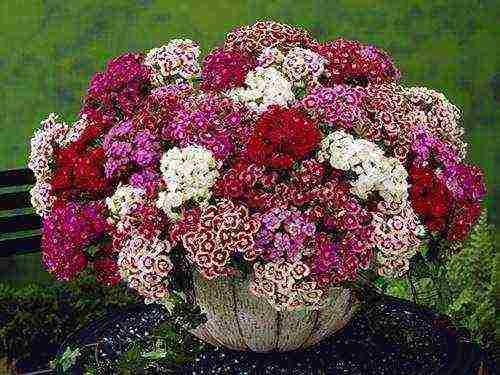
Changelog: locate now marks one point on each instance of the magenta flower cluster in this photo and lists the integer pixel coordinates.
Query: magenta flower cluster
(67, 232)
(118, 90)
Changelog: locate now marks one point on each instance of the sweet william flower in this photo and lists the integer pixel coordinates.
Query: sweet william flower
(281, 137)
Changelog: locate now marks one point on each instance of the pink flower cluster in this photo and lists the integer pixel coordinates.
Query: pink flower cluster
(207, 120)
(337, 106)
(301, 161)
(131, 150)
(285, 233)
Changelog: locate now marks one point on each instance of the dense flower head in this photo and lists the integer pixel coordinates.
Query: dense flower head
(354, 63)
(430, 198)
(338, 106)
(282, 137)
(67, 231)
(375, 172)
(117, 92)
(79, 174)
(221, 231)
(442, 116)
(223, 70)
(207, 120)
(254, 38)
(281, 284)
(176, 61)
(189, 173)
(300, 66)
(144, 264)
(292, 163)
(130, 149)
(264, 87)
(124, 199)
(398, 237)
(285, 233)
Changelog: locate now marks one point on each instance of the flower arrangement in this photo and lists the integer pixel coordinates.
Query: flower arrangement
(277, 157)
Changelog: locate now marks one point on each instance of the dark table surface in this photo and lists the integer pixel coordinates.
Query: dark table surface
(391, 336)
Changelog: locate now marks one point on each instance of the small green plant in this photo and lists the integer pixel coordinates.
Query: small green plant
(67, 360)
(42, 317)
(461, 285)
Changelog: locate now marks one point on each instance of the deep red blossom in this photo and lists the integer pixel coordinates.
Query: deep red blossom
(79, 173)
(430, 198)
(223, 70)
(106, 270)
(281, 137)
(463, 217)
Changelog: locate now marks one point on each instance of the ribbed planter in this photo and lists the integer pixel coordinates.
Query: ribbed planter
(241, 321)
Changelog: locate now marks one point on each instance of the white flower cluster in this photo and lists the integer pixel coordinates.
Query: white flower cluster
(375, 171)
(123, 200)
(300, 66)
(53, 133)
(189, 173)
(144, 264)
(265, 86)
(270, 56)
(397, 236)
(177, 60)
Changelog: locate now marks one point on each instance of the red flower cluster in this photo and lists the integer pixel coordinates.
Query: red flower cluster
(145, 220)
(463, 217)
(79, 173)
(106, 270)
(223, 70)
(351, 62)
(430, 198)
(282, 136)
(240, 181)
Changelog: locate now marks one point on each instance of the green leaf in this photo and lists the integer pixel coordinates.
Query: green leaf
(157, 354)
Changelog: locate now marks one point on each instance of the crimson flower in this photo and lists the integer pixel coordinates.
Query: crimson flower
(282, 136)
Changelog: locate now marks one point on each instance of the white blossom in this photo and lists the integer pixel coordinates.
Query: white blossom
(123, 200)
(189, 173)
(177, 61)
(265, 86)
(375, 172)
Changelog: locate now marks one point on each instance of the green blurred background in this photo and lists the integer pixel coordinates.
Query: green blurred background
(50, 48)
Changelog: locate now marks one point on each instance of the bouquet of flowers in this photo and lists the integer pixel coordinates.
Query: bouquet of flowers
(292, 162)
